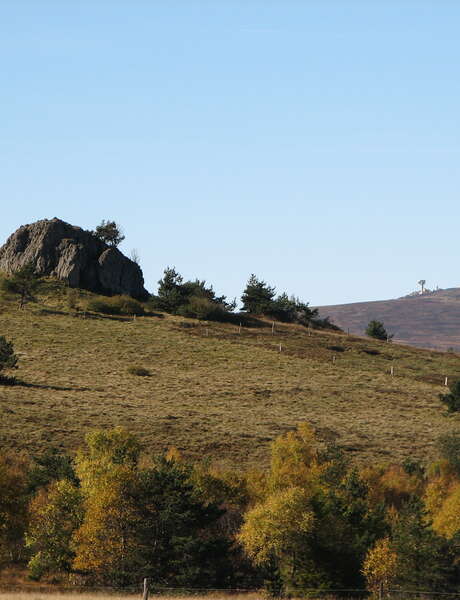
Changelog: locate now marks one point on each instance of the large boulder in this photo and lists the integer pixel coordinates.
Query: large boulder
(74, 255)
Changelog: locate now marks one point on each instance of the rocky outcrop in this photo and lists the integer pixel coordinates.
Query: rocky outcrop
(74, 255)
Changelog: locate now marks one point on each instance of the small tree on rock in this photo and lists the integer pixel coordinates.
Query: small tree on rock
(376, 330)
(110, 233)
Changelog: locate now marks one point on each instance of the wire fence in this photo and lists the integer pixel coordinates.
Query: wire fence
(156, 590)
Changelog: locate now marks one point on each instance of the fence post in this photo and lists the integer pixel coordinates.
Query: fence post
(381, 590)
(145, 595)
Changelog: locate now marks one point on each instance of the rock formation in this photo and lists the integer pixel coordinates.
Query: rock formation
(74, 255)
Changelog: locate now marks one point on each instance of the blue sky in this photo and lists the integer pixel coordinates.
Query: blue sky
(314, 143)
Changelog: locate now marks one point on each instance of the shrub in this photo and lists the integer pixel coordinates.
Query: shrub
(452, 400)
(115, 305)
(449, 449)
(72, 299)
(8, 359)
(189, 298)
(376, 330)
(203, 309)
(139, 371)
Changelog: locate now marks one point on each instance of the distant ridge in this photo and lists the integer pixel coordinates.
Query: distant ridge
(431, 320)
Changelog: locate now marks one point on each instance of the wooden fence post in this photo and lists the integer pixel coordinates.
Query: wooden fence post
(145, 595)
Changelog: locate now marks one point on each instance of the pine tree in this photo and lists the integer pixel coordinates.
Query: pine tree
(258, 296)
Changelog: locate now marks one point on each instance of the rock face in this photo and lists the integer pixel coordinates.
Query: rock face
(74, 255)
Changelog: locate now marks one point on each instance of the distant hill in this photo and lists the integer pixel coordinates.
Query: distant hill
(431, 320)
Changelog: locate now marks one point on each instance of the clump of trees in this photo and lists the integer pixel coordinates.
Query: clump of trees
(311, 521)
(259, 298)
(190, 298)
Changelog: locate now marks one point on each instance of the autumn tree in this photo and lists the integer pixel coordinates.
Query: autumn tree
(380, 567)
(55, 513)
(105, 544)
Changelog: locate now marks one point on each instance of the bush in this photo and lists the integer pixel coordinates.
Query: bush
(72, 298)
(8, 360)
(189, 298)
(116, 305)
(376, 330)
(452, 400)
(449, 449)
(203, 309)
(139, 371)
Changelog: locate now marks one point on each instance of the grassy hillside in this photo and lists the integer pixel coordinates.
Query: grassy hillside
(212, 390)
(429, 321)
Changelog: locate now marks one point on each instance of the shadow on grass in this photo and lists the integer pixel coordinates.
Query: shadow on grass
(14, 381)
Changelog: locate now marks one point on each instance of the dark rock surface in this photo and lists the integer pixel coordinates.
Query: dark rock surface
(61, 250)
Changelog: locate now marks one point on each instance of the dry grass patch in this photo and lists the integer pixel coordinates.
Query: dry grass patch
(216, 391)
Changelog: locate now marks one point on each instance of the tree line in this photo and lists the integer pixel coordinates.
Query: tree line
(113, 514)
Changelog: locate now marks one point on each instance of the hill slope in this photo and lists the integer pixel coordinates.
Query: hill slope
(429, 321)
(215, 391)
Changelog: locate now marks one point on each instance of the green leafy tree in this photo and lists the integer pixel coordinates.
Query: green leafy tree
(110, 233)
(54, 515)
(23, 282)
(258, 296)
(376, 330)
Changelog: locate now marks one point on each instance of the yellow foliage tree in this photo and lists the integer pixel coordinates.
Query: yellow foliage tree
(277, 527)
(105, 545)
(446, 520)
(380, 567)
(294, 459)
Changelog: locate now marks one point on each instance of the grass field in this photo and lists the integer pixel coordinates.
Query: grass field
(214, 391)
(37, 595)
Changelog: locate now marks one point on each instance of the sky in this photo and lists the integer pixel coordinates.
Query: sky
(315, 143)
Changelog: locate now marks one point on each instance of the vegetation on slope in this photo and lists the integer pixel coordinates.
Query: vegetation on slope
(214, 388)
